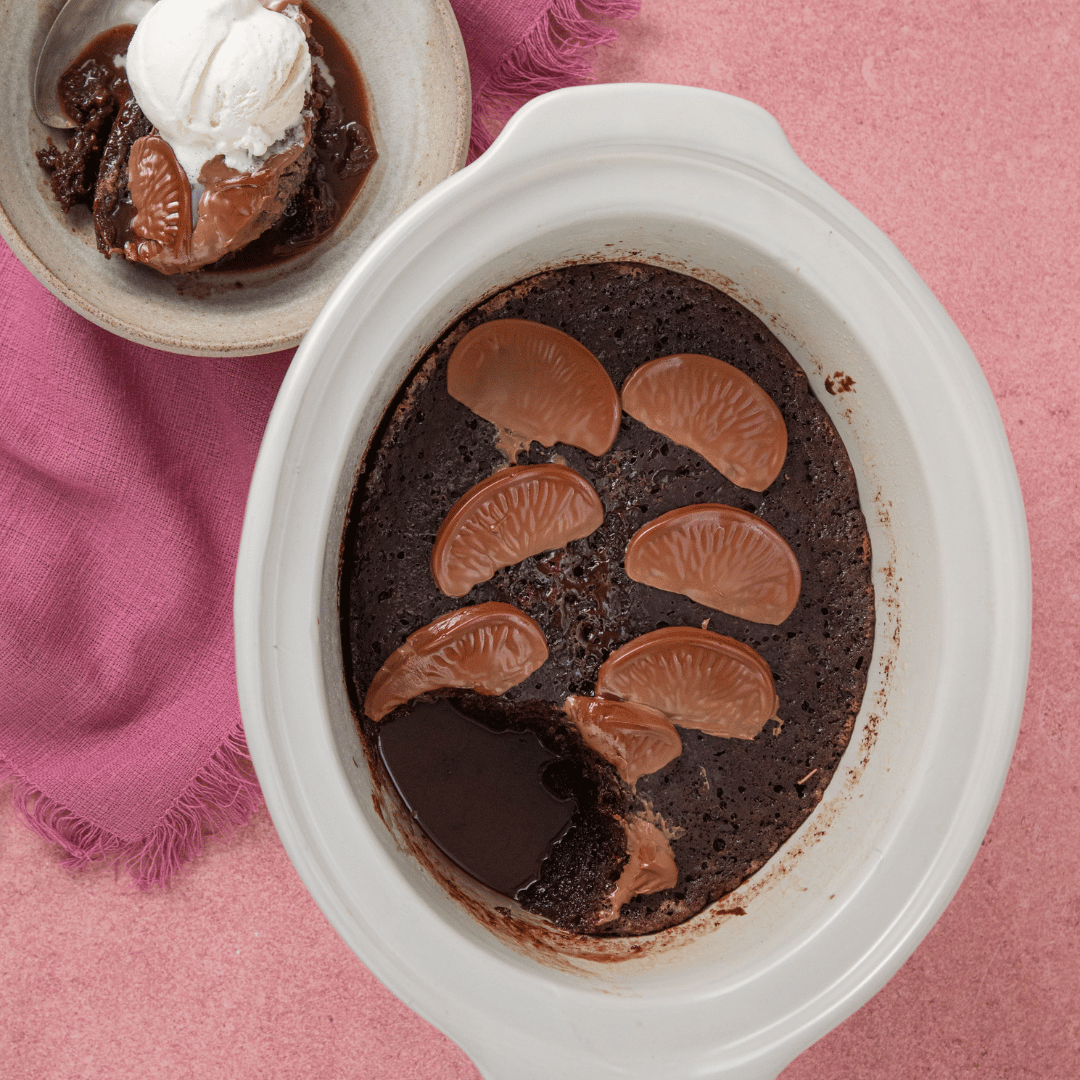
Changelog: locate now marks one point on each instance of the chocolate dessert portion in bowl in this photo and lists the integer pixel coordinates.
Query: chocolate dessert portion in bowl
(252, 162)
(704, 644)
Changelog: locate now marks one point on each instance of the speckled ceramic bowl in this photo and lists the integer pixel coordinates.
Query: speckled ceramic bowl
(706, 184)
(413, 63)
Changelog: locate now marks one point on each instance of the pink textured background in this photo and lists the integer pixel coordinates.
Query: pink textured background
(953, 125)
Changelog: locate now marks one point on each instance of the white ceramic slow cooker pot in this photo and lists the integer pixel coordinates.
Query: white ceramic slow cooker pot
(705, 184)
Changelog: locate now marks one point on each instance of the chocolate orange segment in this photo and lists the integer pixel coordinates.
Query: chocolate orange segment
(537, 383)
(698, 679)
(650, 865)
(721, 557)
(161, 194)
(487, 648)
(636, 739)
(713, 408)
(518, 512)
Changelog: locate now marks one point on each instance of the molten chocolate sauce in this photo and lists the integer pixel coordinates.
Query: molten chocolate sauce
(95, 64)
(480, 794)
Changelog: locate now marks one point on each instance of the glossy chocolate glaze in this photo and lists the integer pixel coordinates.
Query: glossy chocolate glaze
(727, 804)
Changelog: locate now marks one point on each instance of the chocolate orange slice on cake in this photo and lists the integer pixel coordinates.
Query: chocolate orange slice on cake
(535, 382)
(721, 557)
(698, 679)
(713, 408)
(518, 512)
(487, 648)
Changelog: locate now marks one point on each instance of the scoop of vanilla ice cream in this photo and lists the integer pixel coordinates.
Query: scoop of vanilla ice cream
(219, 77)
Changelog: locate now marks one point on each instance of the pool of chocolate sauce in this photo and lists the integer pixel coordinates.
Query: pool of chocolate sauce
(459, 778)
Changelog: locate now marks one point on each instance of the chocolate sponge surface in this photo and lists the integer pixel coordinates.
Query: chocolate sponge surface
(726, 804)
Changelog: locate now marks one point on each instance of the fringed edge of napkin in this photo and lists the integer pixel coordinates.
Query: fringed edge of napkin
(221, 797)
(557, 51)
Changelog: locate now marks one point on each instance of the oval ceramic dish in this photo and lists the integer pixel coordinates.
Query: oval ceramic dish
(412, 60)
(705, 184)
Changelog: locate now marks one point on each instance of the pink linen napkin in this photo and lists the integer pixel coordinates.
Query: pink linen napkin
(123, 477)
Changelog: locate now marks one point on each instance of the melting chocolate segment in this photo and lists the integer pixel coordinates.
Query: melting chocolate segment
(535, 382)
(696, 678)
(650, 867)
(518, 512)
(161, 194)
(487, 648)
(235, 208)
(713, 408)
(635, 738)
(721, 557)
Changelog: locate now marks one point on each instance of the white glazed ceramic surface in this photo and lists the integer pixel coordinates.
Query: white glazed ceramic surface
(412, 60)
(704, 183)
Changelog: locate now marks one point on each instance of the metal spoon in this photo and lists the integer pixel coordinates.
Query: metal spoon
(78, 23)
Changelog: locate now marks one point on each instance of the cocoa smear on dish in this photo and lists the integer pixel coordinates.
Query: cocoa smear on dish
(95, 94)
(726, 804)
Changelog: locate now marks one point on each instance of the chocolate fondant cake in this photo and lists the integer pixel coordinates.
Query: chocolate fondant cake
(125, 171)
(527, 782)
